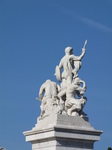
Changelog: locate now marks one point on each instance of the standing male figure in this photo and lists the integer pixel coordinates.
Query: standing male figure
(67, 64)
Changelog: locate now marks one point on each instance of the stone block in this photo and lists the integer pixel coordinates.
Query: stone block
(61, 132)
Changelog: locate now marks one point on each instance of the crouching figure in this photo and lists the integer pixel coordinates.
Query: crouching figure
(49, 99)
(73, 105)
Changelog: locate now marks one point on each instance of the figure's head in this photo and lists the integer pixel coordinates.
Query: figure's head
(77, 81)
(68, 50)
(48, 81)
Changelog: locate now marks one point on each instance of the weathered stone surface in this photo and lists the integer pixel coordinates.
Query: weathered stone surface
(63, 120)
(61, 132)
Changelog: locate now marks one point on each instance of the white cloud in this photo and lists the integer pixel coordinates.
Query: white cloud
(95, 24)
(89, 22)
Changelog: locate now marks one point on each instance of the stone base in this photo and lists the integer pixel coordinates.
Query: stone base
(60, 132)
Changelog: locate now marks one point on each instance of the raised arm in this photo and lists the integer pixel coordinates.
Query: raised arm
(78, 58)
(83, 50)
(84, 85)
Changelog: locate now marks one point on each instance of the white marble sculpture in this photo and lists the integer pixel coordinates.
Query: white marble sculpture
(74, 106)
(62, 99)
(62, 123)
(49, 99)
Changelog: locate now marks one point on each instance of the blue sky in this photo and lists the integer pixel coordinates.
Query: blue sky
(33, 36)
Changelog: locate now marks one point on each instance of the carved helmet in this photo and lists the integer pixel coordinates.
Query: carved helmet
(68, 50)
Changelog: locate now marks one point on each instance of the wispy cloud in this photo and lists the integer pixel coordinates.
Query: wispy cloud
(91, 23)
(95, 24)
(87, 21)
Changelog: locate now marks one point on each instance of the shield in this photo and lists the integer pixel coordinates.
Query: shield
(58, 73)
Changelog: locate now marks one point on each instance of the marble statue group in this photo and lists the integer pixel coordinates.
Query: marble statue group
(62, 123)
(68, 97)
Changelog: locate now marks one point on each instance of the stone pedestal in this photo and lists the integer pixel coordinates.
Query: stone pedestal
(60, 132)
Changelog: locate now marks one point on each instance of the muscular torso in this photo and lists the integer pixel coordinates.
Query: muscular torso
(67, 66)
